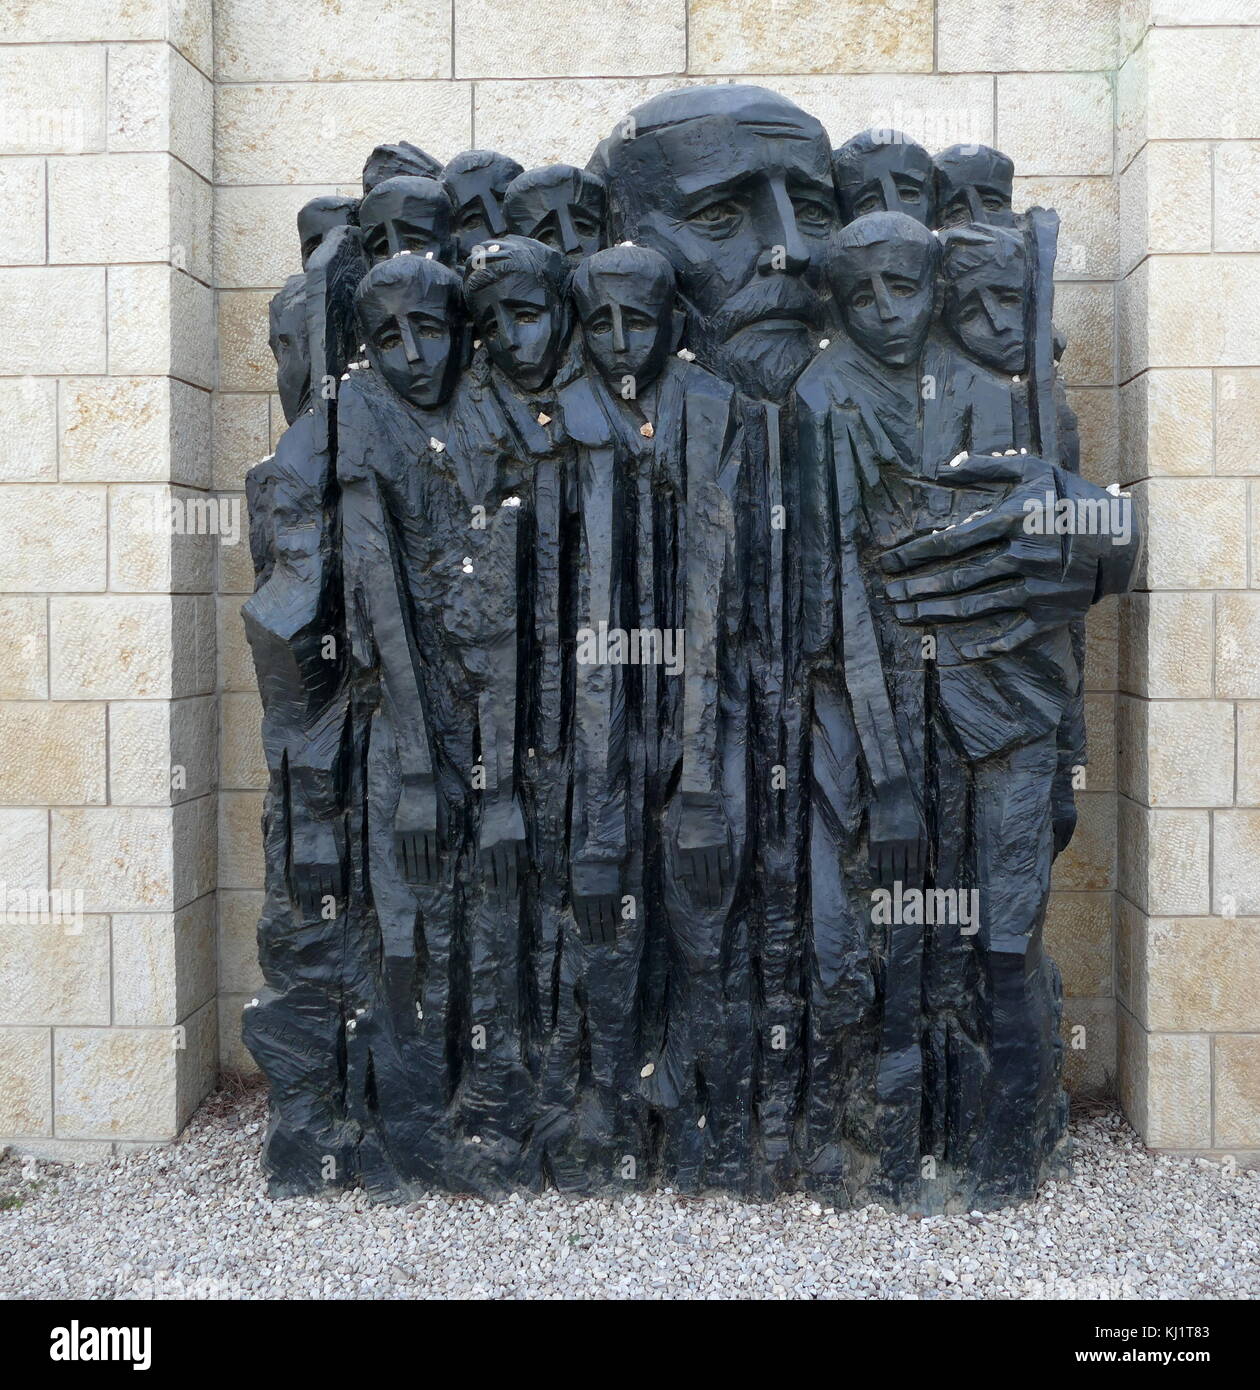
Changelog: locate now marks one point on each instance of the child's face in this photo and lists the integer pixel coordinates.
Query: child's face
(986, 313)
(887, 300)
(626, 323)
(522, 324)
(290, 347)
(567, 214)
(411, 334)
(891, 178)
(407, 215)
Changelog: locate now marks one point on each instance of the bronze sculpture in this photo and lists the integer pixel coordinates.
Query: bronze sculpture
(670, 708)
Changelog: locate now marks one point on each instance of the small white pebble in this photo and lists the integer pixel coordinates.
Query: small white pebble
(436, 445)
(511, 501)
(686, 354)
(824, 343)
(648, 1070)
(544, 418)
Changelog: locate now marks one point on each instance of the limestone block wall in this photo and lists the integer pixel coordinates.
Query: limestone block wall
(1188, 958)
(107, 673)
(1128, 116)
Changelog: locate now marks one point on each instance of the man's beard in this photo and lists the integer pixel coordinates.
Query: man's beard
(763, 337)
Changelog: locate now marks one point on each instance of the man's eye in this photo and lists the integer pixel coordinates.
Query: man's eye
(863, 300)
(431, 331)
(716, 213)
(969, 315)
(956, 216)
(638, 323)
(526, 316)
(599, 325)
(471, 222)
(871, 203)
(388, 341)
(490, 330)
(992, 203)
(548, 236)
(902, 291)
(812, 214)
(584, 226)
(284, 340)
(909, 193)
(1010, 301)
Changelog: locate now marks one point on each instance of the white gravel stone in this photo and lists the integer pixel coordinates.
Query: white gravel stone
(192, 1220)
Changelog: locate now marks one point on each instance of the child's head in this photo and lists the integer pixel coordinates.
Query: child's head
(985, 270)
(410, 313)
(974, 184)
(290, 346)
(561, 206)
(883, 274)
(883, 171)
(475, 182)
(625, 301)
(407, 214)
(515, 289)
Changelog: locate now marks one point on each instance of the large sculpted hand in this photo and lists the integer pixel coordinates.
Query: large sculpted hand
(416, 837)
(501, 848)
(704, 849)
(596, 892)
(318, 876)
(1009, 559)
(898, 839)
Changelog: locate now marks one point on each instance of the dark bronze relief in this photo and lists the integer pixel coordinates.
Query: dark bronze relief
(669, 623)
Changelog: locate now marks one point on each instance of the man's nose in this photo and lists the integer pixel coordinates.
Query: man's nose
(393, 238)
(993, 314)
(974, 205)
(783, 246)
(892, 198)
(411, 349)
(618, 332)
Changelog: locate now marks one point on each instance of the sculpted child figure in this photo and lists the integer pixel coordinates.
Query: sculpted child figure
(476, 182)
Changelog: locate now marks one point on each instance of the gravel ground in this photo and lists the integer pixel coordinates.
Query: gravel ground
(192, 1221)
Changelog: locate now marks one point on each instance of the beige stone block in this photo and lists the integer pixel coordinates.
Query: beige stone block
(24, 654)
(24, 849)
(55, 318)
(52, 754)
(240, 840)
(55, 971)
(151, 549)
(1199, 84)
(236, 662)
(63, 1151)
(55, 537)
(1166, 202)
(197, 852)
(22, 196)
(160, 101)
(1236, 863)
(191, 30)
(242, 764)
(1238, 646)
(1056, 123)
(241, 437)
(1196, 532)
(134, 429)
(291, 41)
(1042, 36)
(164, 964)
(1078, 936)
(726, 36)
(245, 360)
(1236, 197)
(1177, 752)
(28, 429)
(1249, 755)
(1238, 420)
(109, 208)
(1088, 863)
(311, 132)
(25, 1081)
(1089, 222)
(56, 21)
(1102, 628)
(121, 857)
(1089, 1046)
(161, 750)
(1202, 973)
(1086, 313)
(53, 96)
(239, 913)
(1130, 957)
(234, 1056)
(1163, 859)
(1097, 417)
(1166, 646)
(1131, 98)
(1178, 1091)
(199, 615)
(236, 564)
(255, 234)
(1100, 727)
(1166, 423)
(161, 322)
(115, 1083)
(1193, 310)
(112, 647)
(1236, 1073)
(1133, 322)
(198, 1062)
